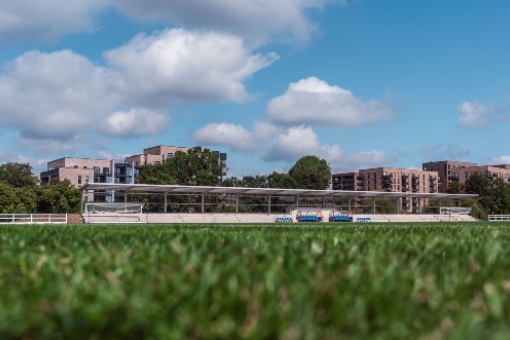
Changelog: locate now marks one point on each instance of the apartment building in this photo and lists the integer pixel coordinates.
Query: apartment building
(346, 181)
(445, 170)
(452, 171)
(155, 155)
(80, 171)
(390, 180)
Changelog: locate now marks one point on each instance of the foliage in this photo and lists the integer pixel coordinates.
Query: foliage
(494, 196)
(281, 181)
(377, 281)
(500, 202)
(156, 174)
(455, 188)
(311, 172)
(432, 206)
(382, 205)
(60, 197)
(17, 175)
(232, 182)
(193, 167)
(258, 181)
(477, 211)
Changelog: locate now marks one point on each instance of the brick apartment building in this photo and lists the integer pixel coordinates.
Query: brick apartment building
(452, 171)
(155, 155)
(80, 171)
(390, 180)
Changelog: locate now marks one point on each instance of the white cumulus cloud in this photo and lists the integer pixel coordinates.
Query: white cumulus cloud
(55, 95)
(299, 141)
(259, 21)
(46, 20)
(136, 122)
(476, 115)
(499, 160)
(176, 66)
(60, 95)
(235, 137)
(315, 102)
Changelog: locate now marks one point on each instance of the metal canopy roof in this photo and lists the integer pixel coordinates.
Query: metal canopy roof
(199, 190)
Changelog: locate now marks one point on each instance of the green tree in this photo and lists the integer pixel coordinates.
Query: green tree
(17, 175)
(477, 211)
(9, 200)
(500, 192)
(232, 182)
(311, 172)
(455, 188)
(281, 181)
(479, 184)
(59, 197)
(258, 181)
(156, 174)
(194, 167)
(433, 205)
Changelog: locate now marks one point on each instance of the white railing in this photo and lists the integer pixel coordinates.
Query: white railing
(499, 217)
(33, 218)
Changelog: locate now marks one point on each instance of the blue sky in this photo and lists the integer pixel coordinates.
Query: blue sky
(361, 83)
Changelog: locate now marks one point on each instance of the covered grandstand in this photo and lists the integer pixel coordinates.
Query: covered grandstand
(294, 200)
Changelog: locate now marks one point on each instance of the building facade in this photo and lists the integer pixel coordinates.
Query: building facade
(390, 180)
(155, 155)
(81, 171)
(452, 171)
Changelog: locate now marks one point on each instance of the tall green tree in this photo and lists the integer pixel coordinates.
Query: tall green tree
(281, 181)
(500, 202)
(477, 183)
(311, 172)
(59, 197)
(194, 167)
(455, 188)
(232, 182)
(258, 181)
(17, 175)
(156, 174)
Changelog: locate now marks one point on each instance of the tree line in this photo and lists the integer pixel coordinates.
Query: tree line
(20, 192)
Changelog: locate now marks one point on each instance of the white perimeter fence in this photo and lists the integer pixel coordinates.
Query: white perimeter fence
(499, 217)
(33, 218)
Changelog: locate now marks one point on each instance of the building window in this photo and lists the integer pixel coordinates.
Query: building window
(106, 170)
(79, 179)
(170, 156)
(76, 166)
(466, 175)
(86, 179)
(157, 162)
(96, 169)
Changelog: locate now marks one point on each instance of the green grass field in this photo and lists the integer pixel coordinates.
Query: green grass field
(255, 281)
